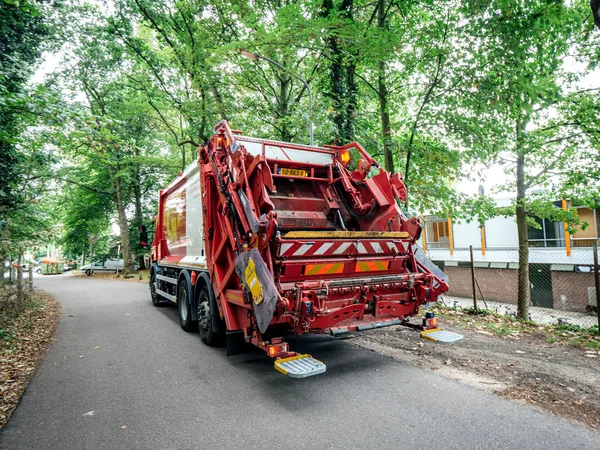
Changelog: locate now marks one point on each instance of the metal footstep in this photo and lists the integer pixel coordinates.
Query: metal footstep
(300, 366)
(441, 336)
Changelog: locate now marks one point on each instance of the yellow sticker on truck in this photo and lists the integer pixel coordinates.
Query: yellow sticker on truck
(253, 284)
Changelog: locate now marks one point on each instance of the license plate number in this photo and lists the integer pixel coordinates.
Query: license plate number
(292, 172)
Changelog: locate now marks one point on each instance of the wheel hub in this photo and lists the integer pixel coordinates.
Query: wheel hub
(204, 314)
(184, 305)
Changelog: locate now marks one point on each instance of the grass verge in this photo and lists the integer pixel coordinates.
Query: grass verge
(484, 320)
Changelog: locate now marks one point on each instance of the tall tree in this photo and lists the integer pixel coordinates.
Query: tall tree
(514, 83)
(341, 85)
(22, 36)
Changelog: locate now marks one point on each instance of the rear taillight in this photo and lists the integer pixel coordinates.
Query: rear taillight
(277, 349)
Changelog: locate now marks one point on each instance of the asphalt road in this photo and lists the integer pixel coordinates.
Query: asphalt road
(152, 386)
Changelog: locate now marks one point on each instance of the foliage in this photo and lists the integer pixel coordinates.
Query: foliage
(433, 90)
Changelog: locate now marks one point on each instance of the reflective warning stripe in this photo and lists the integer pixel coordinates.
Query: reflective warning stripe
(323, 269)
(323, 248)
(342, 248)
(371, 266)
(361, 248)
(304, 249)
(285, 248)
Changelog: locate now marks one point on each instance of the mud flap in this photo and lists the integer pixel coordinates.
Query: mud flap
(259, 285)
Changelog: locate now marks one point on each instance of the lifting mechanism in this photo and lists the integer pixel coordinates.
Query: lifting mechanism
(296, 240)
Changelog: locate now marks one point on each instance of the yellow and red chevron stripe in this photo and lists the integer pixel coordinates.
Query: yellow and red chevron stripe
(323, 269)
(372, 266)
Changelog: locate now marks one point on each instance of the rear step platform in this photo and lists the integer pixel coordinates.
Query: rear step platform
(300, 366)
(441, 336)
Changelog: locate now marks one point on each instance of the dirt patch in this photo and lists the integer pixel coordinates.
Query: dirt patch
(23, 344)
(524, 367)
(140, 277)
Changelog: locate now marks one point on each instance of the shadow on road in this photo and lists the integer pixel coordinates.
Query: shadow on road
(345, 364)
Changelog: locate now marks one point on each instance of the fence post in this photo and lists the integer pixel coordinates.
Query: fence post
(597, 282)
(473, 278)
(19, 283)
(30, 277)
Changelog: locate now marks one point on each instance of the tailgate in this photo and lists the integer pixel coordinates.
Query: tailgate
(329, 255)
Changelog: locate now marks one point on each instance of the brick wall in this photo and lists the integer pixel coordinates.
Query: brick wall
(501, 285)
(574, 287)
(496, 284)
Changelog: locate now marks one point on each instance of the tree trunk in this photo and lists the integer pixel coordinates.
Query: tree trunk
(139, 218)
(347, 132)
(219, 100)
(19, 283)
(343, 88)
(522, 232)
(386, 131)
(283, 108)
(123, 225)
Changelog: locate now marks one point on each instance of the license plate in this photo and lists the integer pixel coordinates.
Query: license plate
(292, 172)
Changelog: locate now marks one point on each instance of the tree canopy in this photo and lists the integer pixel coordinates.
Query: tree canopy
(437, 91)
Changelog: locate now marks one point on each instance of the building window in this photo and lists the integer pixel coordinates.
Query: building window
(437, 232)
(548, 234)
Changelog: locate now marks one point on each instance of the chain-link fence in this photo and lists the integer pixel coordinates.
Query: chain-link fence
(562, 287)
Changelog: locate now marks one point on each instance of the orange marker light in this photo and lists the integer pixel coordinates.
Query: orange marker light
(344, 157)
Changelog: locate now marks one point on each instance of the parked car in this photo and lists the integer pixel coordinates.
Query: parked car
(106, 266)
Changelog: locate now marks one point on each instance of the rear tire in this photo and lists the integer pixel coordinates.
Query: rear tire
(184, 307)
(205, 322)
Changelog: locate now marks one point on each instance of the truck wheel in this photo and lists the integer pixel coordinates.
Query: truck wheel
(184, 307)
(205, 323)
(153, 294)
(88, 272)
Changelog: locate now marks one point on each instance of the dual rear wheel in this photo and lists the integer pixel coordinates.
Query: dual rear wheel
(205, 322)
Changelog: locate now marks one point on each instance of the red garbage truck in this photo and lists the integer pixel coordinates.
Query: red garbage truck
(259, 238)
